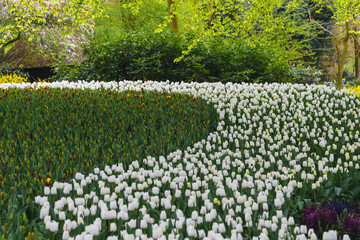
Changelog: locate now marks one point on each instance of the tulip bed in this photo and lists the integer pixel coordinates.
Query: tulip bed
(49, 134)
(275, 150)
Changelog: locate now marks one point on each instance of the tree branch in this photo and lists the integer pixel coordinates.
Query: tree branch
(317, 23)
(12, 40)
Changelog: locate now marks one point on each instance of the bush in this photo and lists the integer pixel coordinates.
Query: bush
(8, 69)
(149, 56)
(306, 75)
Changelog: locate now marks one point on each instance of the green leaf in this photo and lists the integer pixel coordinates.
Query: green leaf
(307, 202)
(337, 191)
(301, 205)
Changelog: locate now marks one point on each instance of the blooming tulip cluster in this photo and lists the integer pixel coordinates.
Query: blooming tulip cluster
(273, 142)
(56, 132)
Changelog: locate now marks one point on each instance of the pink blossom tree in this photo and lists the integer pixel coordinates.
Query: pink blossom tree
(54, 28)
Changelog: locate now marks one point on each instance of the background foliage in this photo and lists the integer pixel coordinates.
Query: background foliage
(149, 56)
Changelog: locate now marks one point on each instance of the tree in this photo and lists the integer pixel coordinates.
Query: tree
(347, 21)
(277, 24)
(256, 22)
(48, 25)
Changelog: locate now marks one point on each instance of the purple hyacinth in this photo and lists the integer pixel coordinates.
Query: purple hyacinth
(329, 217)
(313, 217)
(351, 225)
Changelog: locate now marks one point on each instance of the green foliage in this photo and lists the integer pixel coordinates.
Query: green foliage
(50, 134)
(306, 75)
(149, 56)
(9, 70)
(118, 17)
(280, 25)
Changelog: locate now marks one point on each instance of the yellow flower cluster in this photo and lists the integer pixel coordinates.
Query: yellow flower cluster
(356, 89)
(12, 78)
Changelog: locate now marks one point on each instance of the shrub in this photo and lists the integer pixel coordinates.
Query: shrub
(9, 69)
(306, 75)
(149, 56)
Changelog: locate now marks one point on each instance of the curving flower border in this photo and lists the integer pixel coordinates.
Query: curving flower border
(272, 141)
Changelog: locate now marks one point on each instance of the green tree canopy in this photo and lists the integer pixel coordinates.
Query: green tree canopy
(280, 25)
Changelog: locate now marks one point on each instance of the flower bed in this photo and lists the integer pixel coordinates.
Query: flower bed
(277, 148)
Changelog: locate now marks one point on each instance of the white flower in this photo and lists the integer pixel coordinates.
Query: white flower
(192, 201)
(255, 206)
(303, 229)
(346, 237)
(79, 176)
(301, 237)
(291, 221)
(330, 235)
(93, 229)
(263, 236)
(273, 227)
(247, 217)
(107, 215)
(113, 227)
(104, 190)
(46, 190)
(65, 235)
(179, 223)
(79, 191)
(313, 236)
(222, 228)
(278, 202)
(53, 190)
(155, 190)
(177, 193)
(194, 215)
(281, 234)
(138, 232)
(157, 233)
(54, 226)
(191, 231)
(132, 223)
(143, 224)
(167, 204)
(62, 216)
(163, 215)
(44, 211)
(112, 238)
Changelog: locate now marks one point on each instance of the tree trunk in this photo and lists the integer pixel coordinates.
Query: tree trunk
(173, 18)
(341, 56)
(357, 58)
(340, 70)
